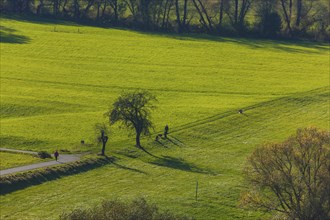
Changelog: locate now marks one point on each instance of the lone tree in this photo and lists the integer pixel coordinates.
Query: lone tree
(102, 133)
(293, 177)
(133, 110)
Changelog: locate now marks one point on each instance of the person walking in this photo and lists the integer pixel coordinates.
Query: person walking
(56, 154)
(166, 131)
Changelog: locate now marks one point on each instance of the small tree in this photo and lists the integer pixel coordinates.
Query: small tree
(293, 177)
(133, 110)
(102, 133)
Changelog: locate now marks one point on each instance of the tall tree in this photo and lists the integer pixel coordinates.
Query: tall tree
(182, 23)
(205, 19)
(133, 110)
(292, 177)
(287, 12)
(237, 12)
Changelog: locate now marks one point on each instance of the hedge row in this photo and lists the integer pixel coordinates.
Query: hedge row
(13, 182)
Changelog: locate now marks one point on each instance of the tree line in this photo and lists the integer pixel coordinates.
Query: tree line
(266, 18)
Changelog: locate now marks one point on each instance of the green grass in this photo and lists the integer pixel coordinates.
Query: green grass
(56, 85)
(10, 160)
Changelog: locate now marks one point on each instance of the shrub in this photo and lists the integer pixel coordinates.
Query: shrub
(44, 155)
(138, 209)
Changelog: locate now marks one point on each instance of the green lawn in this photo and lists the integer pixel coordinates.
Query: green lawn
(56, 85)
(10, 160)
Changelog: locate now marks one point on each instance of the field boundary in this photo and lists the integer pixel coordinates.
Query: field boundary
(13, 182)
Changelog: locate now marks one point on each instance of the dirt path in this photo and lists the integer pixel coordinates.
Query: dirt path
(63, 158)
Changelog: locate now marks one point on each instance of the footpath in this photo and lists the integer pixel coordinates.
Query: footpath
(63, 158)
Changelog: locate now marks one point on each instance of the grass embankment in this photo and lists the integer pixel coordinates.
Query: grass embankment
(13, 182)
(56, 85)
(10, 160)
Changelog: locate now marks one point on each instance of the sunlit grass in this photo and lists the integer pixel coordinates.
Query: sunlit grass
(56, 85)
(10, 160)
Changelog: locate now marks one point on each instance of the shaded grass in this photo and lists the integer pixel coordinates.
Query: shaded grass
(7, 35)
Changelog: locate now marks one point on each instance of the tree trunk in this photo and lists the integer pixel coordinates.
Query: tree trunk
(221, 12)
(39, 7)
(299, 9)
(164, 14)
(103, 147)
(184, 19)
(98, 11)
(55, 8)
(206, 15)
(137, 138)
(177, 12)
(76, 9)
(89, 5)
(202, 19)
(168, 14)
(236, 12)
(287, 18)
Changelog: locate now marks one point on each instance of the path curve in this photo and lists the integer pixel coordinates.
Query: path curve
(62, 159)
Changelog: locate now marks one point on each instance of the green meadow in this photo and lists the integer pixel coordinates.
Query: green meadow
(10, 160)
(58, 80)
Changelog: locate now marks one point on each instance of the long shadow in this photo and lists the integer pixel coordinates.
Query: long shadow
(252, 42)
(144, 150)
(180, 164)
(36, 19)
(128, 168)
(7, 35)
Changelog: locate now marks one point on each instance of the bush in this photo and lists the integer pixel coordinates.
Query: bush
(138, 209)
(270, 25)
(44, 155)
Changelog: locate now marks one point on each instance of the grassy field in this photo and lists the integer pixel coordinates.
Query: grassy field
(57, 81)
(9, 160)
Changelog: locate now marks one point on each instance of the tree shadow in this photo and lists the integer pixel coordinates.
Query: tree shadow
(128, 168)
(286, 45)
(144, 150)
(7, 35)
(180, 164)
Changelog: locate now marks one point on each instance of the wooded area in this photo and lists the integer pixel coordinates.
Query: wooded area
(265, 18)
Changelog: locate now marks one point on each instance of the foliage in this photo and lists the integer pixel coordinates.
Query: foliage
(299, 17)
(44, 155)
(292, 177)
(133, 110)
(138, 209)
(268, 19)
